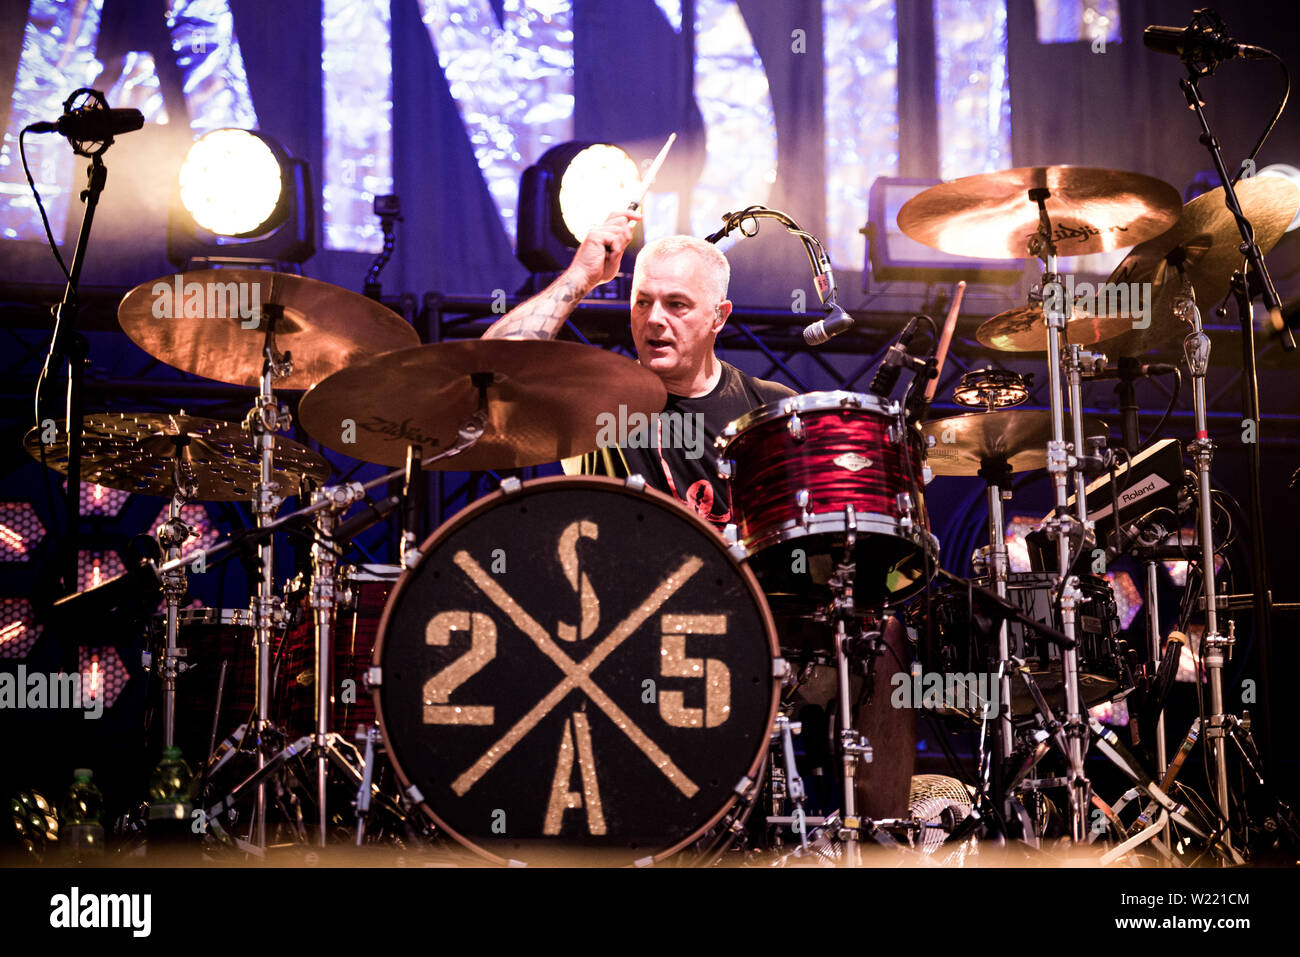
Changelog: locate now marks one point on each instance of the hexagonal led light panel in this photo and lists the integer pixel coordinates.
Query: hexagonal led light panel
(18, 631)
(20, 531)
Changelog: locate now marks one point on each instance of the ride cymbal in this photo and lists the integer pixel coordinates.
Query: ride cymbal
(546, 400)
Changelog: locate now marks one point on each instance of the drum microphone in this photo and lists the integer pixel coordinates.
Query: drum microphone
(1139, 370)
(887, 375)
(823, 330)
(372, 514)
(1200, 44)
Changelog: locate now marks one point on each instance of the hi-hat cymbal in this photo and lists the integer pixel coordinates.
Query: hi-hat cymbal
(1025, 330)
(1207, 244)
(990, 215)
(201, 328)
(546, 400)
(137, 452)
(963, 443)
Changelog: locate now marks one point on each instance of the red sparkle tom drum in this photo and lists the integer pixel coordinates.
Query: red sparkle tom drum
(808, 469)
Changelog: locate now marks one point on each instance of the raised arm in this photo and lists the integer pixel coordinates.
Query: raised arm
(596, 261)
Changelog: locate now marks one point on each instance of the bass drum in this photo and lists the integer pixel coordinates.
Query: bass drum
(576, 671)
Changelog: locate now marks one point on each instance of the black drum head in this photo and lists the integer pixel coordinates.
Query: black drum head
(574, 673)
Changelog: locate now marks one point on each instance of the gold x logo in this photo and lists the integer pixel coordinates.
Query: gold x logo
(577, 674)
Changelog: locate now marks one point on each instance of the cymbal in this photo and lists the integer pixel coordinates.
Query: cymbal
(324, 327)
(1025, 330)
(1207, 243)
(136, 452)
(546, 401)
(1020, 436)
(990, 215)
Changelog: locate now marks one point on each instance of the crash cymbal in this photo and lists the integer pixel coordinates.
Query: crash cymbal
(1207, 244)
(990, 215)
(1025, 330)
(962, 443)
(545, 399)
(136, 452)
(201, 328)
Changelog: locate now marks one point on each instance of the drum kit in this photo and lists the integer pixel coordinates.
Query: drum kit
(578, 664)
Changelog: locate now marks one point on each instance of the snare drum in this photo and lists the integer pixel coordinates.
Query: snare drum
(365, 590)
(967, 642)
(577, 670)
(806, 470)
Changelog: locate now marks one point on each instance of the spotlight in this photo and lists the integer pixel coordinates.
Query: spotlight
(569, 190)
(241, 198)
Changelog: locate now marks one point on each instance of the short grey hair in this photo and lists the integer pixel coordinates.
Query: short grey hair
(717, 269)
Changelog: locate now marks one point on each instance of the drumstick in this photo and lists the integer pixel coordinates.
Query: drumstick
(652, 172)
(946, 337)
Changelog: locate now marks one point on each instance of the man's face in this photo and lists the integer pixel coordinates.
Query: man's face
(674, 316)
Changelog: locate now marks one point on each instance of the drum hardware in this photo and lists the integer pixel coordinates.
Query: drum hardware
(325, 505)
(788, 785)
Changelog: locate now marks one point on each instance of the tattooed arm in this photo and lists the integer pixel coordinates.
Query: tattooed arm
(595, 262)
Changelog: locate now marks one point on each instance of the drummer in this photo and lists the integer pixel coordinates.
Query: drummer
(679, 305)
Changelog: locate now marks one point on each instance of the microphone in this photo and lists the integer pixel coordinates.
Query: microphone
(1192, 41)
(887, 375)
(1138, 370)
(835, 322)
(372, 514)
(92, 125)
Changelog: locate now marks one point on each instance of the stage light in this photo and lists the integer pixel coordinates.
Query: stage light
(103, 675)
(18, 628)
(20, 531)
(232, 183)
(1286, 172)
(240, 196)
(569, 190)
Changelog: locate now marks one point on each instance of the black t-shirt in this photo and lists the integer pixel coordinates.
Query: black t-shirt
(675, 450)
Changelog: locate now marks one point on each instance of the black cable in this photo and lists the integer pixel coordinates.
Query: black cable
(1173, 399)
(1277, 115)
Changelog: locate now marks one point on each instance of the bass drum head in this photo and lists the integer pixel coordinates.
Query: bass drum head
(576, 672)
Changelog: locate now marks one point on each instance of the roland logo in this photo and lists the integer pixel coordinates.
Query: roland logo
(1131, 495)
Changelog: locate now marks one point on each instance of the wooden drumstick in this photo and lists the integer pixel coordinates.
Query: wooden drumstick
(652, 172)
(945, 338)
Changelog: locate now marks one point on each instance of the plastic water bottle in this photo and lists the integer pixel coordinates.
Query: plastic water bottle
(81, 832)
(169, 800)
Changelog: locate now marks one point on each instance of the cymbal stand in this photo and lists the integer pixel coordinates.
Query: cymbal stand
(1056, 312)
(325, 743)
(1214, 646)
(267, 417)
(172, 534)
(323, 596)
(997, 476)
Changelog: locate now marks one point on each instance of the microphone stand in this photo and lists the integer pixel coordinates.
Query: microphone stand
(71, 345)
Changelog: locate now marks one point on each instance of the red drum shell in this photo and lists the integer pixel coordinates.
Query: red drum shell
(844, 449)
(355, 629)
